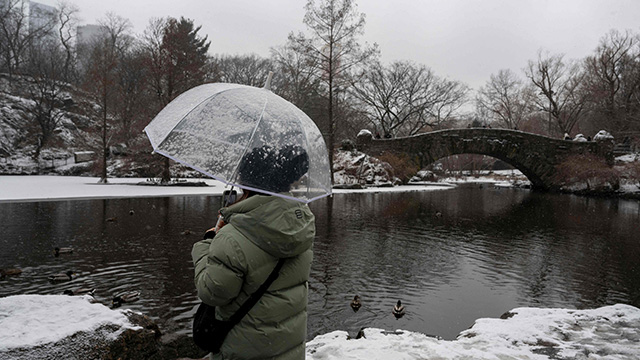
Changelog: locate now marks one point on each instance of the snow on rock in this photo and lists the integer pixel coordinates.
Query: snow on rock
(68, 327)
(610, 332)
(603, 135)
(424, 175)
(365, 132)
(628, 158)
(354, 167)
(32, 320)
(566, 334)
(17, 139)
(580, 138)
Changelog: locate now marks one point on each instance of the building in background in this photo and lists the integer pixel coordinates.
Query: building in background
(87, 33)
(41, 15)
(43, 19)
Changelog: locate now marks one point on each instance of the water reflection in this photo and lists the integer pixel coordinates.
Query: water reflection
(115, 249)
(450, 256)
(455, 256)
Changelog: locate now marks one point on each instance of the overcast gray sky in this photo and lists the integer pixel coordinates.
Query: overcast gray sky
(466, 40)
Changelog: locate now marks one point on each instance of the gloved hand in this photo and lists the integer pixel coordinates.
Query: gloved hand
(211, 233)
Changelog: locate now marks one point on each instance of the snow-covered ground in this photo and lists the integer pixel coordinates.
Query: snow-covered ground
(500, 178)
(611, 332)
(46, 187)
(33, 320)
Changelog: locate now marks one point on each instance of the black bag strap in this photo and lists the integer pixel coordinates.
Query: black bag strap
(253, 298)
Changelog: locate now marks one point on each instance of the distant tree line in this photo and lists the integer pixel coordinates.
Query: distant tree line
(601, 91)
(327, 71)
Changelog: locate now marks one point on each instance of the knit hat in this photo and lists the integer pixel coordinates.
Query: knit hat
(273, 170)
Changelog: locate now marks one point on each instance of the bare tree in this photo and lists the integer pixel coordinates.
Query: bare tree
(405, 99)
(102, 78)
(67, 21)
(241, 69)
(132, 94)
(506, 99)
(561, 90)
(17, 34)
(152, 46)
(613, 82)
(334, 26)
(297, 79)
(45, 66)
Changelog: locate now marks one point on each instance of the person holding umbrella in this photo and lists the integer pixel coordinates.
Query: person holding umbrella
(258, 231)
(252, 274)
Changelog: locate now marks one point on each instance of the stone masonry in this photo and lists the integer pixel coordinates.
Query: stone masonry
(534, 155)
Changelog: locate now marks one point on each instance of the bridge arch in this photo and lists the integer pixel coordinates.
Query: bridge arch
(536, 156)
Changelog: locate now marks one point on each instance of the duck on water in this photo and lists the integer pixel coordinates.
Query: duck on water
(68, 276)
(125, 297)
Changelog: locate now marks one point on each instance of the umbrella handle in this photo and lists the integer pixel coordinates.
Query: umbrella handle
(219, 223)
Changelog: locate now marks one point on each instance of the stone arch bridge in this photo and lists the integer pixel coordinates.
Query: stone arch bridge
(534, 155)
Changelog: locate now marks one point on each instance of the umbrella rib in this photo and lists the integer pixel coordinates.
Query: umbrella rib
(253, 133)
(194, 167)
(187, 114)
(153, 145)
(179, 121)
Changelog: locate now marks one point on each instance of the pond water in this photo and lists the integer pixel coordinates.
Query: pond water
(451, 256)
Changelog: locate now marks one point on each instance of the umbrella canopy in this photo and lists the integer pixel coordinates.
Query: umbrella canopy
(247, 137)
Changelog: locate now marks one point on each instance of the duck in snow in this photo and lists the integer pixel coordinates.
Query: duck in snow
(398, 310)
(69, 275)
(359, 335)
(355, 303)
(125, 297)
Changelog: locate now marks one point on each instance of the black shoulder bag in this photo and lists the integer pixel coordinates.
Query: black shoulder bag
(209, 333)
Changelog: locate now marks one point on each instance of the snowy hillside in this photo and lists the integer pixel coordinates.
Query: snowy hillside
(19, 131)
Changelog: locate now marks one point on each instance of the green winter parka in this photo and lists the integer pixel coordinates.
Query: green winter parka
(259, 231)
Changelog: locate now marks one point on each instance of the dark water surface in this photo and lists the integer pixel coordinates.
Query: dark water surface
(451, 256)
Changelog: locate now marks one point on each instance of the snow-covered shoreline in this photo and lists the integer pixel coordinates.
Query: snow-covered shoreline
(58, 187)
(609, 332)
(51, 187)
(32, 320)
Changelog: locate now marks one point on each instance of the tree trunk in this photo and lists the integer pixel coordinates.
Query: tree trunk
(166, 173)
(331, 119)
(105, 146)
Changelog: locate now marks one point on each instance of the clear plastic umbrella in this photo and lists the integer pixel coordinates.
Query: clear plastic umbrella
(246, 137)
